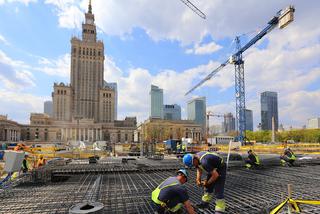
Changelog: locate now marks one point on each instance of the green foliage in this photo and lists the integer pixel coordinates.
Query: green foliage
(299, 135)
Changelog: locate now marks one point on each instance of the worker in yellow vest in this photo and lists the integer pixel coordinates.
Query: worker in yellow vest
(253, 160)
(288, 157)
(215, 168)
(170, 196)
(41, 162)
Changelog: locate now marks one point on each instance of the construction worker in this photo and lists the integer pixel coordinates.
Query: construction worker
(171, 195)
(25, 165)
(41, 161)
(183, 147)
(19, 147)
(288, 157)
(253, 160)
(215, 168)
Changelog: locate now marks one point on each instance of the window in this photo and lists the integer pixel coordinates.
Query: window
(119, 137)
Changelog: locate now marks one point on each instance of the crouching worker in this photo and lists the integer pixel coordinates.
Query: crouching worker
(252, 160)
(288, 157)
(170, 196)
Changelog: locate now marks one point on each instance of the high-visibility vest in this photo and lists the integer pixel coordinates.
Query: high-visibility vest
(257, 159)
(208, 153)
(41, 162)
(292, 156)
(156, 193)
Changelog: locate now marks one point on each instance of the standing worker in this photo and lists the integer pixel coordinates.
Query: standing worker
(171, 195)
(253, 160)
(41, 161)
(215, 167)
(25, 165)
(288, 157)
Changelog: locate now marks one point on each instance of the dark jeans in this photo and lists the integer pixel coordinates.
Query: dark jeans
(252, 163)
(218, 185)
(287, 159)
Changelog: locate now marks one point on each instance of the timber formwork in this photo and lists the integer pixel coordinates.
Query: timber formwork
(123, 188)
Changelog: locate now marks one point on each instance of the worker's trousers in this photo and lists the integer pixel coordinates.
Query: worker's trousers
(218, 186)
(252, 163)
(287, 159)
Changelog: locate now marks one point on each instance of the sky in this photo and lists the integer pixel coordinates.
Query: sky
(163, 42)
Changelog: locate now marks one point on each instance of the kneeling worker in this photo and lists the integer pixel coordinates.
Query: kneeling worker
(252, 160)
(288, 157)
(215, 167)
(171, 195)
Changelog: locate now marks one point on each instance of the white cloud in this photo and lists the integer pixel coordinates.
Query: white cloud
(55, 67)
(204, 49)
(3, 40)
(69, 13)
(18, 105)
(175, 21)
(25, 2)
(134, 87)
(15, 74)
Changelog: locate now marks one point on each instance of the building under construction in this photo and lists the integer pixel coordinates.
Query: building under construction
(124, 185)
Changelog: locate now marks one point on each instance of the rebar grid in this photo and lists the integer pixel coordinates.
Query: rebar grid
(247, 191)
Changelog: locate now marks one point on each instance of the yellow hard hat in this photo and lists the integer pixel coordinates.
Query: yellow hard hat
(41, 156)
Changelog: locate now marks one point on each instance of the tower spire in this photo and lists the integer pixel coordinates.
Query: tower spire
(89, 7)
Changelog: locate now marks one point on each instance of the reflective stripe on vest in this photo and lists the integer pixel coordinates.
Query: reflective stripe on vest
(156, 192)
(209, 153)
(257, 159)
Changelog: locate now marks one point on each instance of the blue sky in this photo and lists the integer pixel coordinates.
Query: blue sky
(171, 47)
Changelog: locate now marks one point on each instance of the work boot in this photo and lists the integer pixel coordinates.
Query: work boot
(203, 205)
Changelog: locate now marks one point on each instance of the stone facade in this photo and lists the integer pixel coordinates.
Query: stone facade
(158, 130)
(9, 130)
(45, 129)
(62, 97)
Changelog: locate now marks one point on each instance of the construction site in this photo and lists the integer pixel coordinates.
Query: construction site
(124, 185)
(116, 174)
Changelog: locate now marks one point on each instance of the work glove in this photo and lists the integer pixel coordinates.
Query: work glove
(204, 183)
(199, 183)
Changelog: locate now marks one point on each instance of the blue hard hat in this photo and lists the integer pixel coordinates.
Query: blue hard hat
(188, 160)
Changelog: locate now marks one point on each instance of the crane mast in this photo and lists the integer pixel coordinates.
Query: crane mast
(282, 19)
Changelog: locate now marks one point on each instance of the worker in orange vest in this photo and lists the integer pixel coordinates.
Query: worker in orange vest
(41, 161)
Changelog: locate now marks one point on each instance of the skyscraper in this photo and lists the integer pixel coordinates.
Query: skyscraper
(114, 86)
(229, 123)
(313, 123)
(86, 97)
(269, 109)
(156, 97)
(197, 111)
(249, 120)
(172, 112)
(47, 108)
